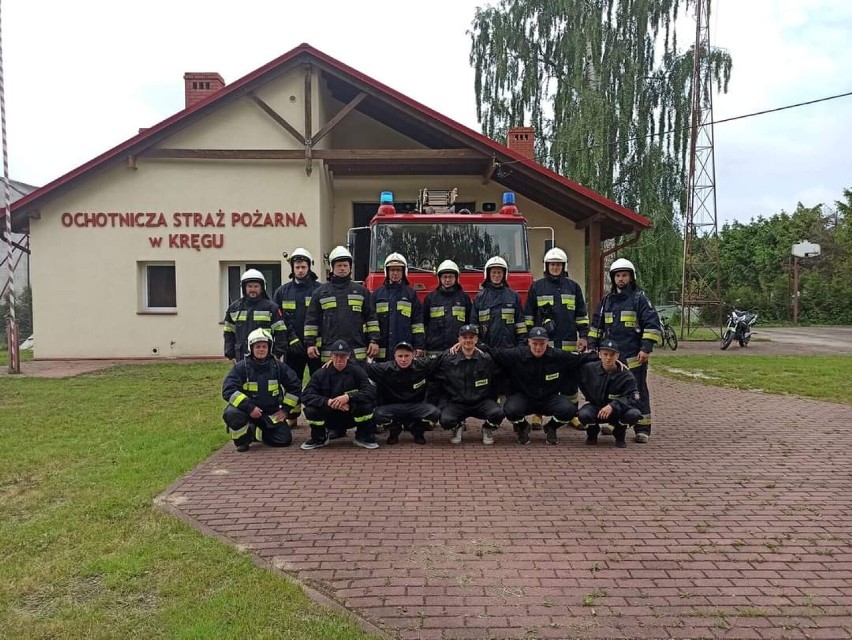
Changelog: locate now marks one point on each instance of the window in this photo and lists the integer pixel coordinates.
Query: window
(231, 278)
(158, 287)
(470, 245)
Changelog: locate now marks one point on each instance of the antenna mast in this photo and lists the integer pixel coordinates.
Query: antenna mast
(700, 284)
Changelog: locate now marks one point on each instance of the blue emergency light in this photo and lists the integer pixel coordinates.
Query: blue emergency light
(508, 198)
(386, 197)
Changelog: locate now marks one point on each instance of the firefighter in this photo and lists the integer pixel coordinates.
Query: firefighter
(445, 310)
(556, 303)
(613, 398)
(401, 386)
(398, 309)
(467, 377)
(293, 298)
(497, 308)
(338, 397)
(341, 309)
(538, 373)
(626, 316)
(261, 393)
(256, 311)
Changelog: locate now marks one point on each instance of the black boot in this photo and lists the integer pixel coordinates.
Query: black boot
(592, 432)
(393, 433)
(619, 432)
(417, 431)
(242, 443)
(522, 429)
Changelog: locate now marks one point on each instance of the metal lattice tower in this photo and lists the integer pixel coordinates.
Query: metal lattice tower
(700, 285)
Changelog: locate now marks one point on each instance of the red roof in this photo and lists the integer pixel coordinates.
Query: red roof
(240, 87)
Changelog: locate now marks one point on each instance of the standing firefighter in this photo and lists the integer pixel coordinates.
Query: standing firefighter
(255, 311)
(556, 303)
(398, 309)
(626, 316)
(497, 308)
(261, 393)
(445, 309)
(341, 310)
(293, 298)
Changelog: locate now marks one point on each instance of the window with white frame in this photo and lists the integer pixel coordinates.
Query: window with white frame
(157, 287)
(232, 271)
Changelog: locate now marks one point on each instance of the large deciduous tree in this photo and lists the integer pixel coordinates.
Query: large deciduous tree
(608, 92)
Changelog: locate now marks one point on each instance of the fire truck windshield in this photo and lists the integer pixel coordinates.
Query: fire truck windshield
(469, 244)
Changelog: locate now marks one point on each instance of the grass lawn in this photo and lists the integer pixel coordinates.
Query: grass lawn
(819, 377)
(83, 553)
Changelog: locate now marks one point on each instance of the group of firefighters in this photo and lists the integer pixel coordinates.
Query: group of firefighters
(384, 361)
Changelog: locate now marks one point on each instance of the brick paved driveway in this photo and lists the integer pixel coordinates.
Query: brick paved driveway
(735, 521)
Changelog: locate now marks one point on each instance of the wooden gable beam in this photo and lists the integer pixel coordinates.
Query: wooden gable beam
(345, 111)
(289, 128)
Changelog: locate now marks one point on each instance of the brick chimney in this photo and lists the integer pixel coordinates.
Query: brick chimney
(199, 85)
(522, 140)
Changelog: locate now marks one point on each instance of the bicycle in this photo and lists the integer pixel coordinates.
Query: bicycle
(669, 334)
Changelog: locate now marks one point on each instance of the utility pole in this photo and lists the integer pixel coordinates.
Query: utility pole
(11, 325)
(700, 285)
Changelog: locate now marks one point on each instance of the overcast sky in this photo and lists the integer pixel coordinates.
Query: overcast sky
(83, 76)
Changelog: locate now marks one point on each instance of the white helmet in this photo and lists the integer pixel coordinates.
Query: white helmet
(448, 266)
(396, 260)
(496, 261)
(339, 253)
(259, 335)
(622, 265)
(252, 275)
(301, 254)
(556, 255)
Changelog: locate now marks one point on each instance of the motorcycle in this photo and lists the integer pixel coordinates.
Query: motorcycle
(738, 325)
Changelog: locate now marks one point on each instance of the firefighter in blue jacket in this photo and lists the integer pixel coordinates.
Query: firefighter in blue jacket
(556, 303)
(293, 298)
(497, 308)
(341, 309)
(398, 310)
(254, 310)
(261, 392)
(611, 392)
(626, 316)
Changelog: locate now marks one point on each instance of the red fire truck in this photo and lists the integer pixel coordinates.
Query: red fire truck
(436, 232)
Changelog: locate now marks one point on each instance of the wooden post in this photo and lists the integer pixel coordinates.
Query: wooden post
(595, 268)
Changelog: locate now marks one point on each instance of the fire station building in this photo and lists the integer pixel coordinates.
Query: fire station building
(138, 252)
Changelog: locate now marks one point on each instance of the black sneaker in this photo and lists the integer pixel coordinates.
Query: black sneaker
(242, 448)
(314, 444)
(592, 439)
(621, 444)
(550, 435)
(419, 438)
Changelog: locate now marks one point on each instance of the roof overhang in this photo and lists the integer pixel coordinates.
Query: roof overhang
(449, 147)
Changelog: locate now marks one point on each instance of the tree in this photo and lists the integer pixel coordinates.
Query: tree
(608, 92)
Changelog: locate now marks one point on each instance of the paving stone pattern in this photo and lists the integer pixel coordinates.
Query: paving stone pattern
(734, 522)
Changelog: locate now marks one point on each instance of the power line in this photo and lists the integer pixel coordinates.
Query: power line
(723, 120)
